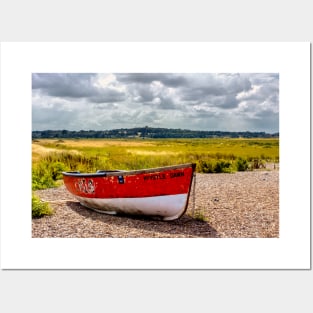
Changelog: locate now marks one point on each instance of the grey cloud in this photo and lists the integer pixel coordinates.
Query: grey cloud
(174, 81)
(265, 114)
(263, 97)
(165, 103)
(170, 80)
(192, 100)
(237, 84)
(227, 102)
(217, 90)
(141, 93)
(63, 85)
(261, 78)
(133, 78)
(74, 86)
(107, 95)
(190, 94)
(266, 120)
(48, 118)
(153, 95)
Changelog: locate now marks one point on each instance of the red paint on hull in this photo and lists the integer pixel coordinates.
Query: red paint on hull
(131, 184)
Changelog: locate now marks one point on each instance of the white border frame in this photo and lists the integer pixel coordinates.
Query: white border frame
(290, 251)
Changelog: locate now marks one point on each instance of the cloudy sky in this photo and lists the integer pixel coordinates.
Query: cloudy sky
(213, 101)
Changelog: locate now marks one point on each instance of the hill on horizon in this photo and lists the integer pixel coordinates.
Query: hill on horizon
(148, 132)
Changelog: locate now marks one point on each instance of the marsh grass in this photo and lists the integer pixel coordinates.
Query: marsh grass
(51, 157)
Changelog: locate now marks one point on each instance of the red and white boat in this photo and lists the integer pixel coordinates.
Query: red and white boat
(162, 191)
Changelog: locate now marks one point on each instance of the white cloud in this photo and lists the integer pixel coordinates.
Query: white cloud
(233, 101)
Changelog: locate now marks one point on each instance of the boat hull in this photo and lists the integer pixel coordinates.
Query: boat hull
(162, 192)
(169, 207)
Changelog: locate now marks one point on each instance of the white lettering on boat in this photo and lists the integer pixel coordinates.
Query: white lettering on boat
(85, 185)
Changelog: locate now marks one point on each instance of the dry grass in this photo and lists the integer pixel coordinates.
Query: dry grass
(151, 152)
(38, 151)
(98, 143)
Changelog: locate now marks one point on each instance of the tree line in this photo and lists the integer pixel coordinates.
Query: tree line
(148, 132)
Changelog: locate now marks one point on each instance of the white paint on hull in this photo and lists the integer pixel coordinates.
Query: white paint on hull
(169, 207)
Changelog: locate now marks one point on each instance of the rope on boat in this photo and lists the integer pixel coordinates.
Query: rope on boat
(194, 195)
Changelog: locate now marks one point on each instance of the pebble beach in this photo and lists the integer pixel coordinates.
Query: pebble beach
(236, 205)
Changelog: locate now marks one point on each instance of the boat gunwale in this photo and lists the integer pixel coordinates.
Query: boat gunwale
(108, 173)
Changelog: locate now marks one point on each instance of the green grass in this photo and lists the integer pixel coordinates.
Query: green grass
(40, 208)
(51, 157)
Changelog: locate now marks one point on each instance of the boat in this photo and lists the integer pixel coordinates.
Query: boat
(156, 192)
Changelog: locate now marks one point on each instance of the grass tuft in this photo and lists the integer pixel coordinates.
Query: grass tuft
(40, 208)
(200, 216)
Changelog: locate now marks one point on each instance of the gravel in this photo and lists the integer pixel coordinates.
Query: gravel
(237, 205)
